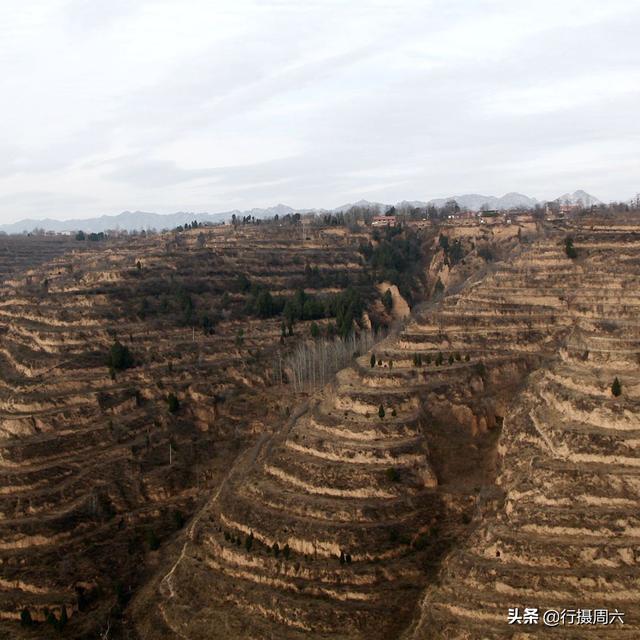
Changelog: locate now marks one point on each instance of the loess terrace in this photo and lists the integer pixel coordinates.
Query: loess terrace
(473, 461)
(132, 373)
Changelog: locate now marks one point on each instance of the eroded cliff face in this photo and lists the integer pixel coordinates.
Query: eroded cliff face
(336, 527)
(563, 531)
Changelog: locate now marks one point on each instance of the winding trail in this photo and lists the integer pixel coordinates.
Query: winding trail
(243, 465)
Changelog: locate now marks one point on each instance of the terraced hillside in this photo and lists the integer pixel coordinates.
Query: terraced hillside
(334, 526)
(20, 253)
(562, 533)
(130, 378)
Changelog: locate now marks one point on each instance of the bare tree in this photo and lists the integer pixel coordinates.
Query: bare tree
(313, 363)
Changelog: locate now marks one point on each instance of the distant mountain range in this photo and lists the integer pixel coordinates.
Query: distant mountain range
(139, 220)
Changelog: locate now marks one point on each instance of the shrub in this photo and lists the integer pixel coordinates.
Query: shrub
(393, 475)
(276, 549)
(120, 357)
(387, 300)
(315, 330)
(569, 248)
(286, 552)
(439, 359)
(152, 540)
(173, 402)
(450, 358)
(25, 618)
(381, 412)
(248, 543)
(421, 542)
(616, 387)
(178, 519)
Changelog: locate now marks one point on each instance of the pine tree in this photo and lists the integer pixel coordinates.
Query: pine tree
(373, 360)
(174, 403)
(616, 387)
(64, 619)
(381, 412)
(25, 618)
(570, 249)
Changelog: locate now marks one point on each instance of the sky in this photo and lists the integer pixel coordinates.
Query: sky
(211, 105)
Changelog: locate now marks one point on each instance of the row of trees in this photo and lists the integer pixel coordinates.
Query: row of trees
(313, 363)
(346, 307)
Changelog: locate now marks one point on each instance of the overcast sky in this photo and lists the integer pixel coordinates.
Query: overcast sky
(207, 105)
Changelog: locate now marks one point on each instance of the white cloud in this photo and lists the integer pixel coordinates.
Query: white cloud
(191, 104)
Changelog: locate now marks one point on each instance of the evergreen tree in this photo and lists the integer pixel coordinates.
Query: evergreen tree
(387, 300)
(120, 357)
(64, 619)
(616, 387)
(381, 412)
(393, 475)
(174, 403)
(569, 248)
(372, 361)
(25, 618)
(315, 330)
(152, 540)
